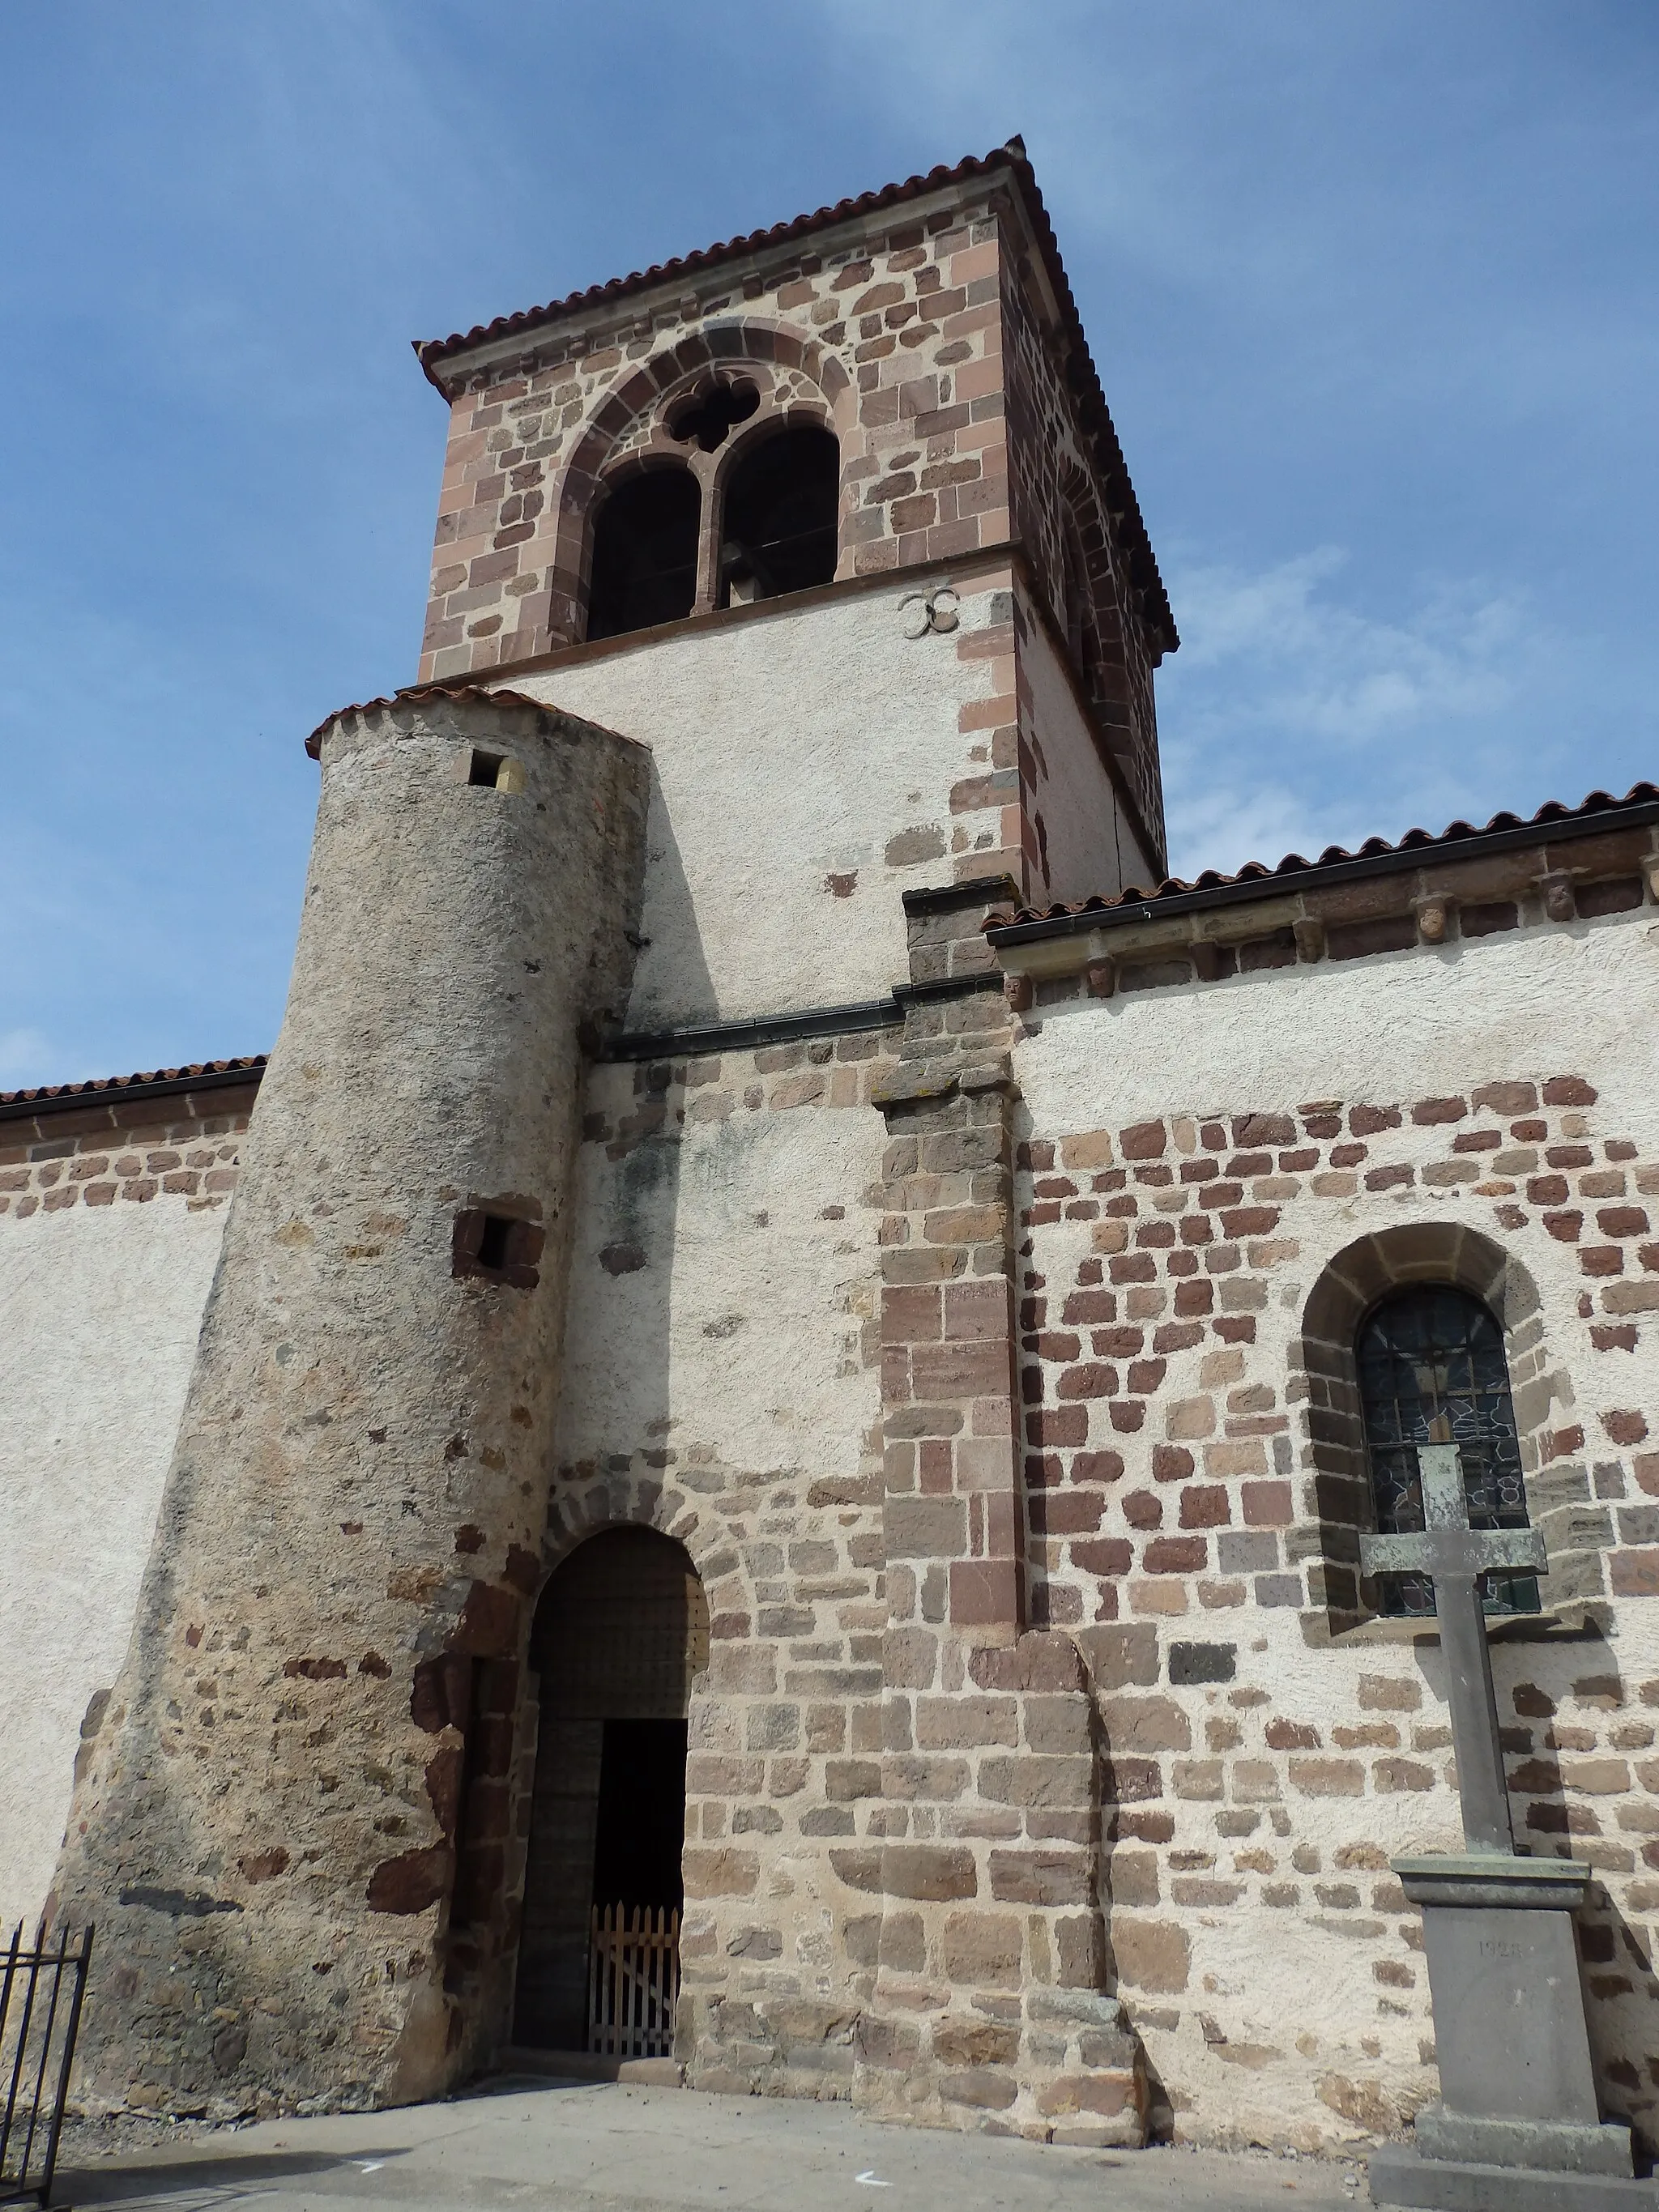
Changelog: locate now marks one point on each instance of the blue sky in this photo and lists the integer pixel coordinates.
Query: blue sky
(1371, 289)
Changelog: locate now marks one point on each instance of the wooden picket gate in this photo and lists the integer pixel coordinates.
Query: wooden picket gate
(633, 1980)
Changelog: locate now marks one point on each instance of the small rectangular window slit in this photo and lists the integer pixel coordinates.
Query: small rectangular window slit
(493, 1245)
(486, 769)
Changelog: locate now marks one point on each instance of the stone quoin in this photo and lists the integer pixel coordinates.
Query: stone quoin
(793, 1333)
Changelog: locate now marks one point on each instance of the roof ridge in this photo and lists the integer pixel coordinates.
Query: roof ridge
(103, 1086)
(1333, 856)
(1083, 381)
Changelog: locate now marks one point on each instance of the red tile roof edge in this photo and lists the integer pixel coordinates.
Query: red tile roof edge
(99, 1087)
(1550, 816)
(416, 693)
(1084, 380)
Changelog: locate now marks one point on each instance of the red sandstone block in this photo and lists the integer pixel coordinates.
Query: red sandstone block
(1626, 1427)
(1108, 1555)
(1622, 1221)
(976, 1309)
(1608, 1337)
(1117, 1344)
(1175, 1336)
(984, 1591)
(1058, 1425)
(1127, 1414)
(1267, 1504)
(1569, 1090)
(1507, 1098)
(1264, 1130)
(1564, 1227)
(1601, 1260)
(1388, 1178)
(1089, 1381)
(1175, 1555)
(1427, 1111)
(1367, 1120)
(1068, 1513)
(1250, 1221)
(1633, 1574)
(1097, 1467)
(1204, 1505)
(1147, 1140)
(910, 1313)
(1250, 1164)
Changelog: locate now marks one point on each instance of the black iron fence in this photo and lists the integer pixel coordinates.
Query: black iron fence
(42, 1986)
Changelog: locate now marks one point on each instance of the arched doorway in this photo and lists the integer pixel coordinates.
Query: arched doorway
(621, 1630)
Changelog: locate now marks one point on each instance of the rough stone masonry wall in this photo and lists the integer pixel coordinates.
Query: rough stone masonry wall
(292, 1826)
(1261, 1774)
(1055, 479)
(895, 332)
(112, 1211)
(988, 2005)
(721, 1386)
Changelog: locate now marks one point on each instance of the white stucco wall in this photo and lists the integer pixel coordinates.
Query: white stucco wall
(1273, 2029)
(1091, 847)
(100, 1310)
(733, 1332)
(1402, 1026)
(788, 749)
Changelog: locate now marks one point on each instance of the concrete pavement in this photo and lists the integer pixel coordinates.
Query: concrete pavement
(618, 2147)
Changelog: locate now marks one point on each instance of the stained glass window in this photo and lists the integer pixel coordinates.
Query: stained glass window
(1432, 1370)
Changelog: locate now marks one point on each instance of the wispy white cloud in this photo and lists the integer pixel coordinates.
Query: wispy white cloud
(1293, 720)
(25, 1057)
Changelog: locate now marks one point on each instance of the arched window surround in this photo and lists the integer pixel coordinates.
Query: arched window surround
(1336, 1497)
(798, 382)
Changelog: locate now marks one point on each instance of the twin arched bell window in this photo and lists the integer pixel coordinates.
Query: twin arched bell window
(1432, 1370)
(776, 519)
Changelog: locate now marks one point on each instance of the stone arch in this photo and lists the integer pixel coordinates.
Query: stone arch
(640, 1498)
(1084, 535)
(768, 424)
(618, 1639)
(1337, 1499)
(733, 344)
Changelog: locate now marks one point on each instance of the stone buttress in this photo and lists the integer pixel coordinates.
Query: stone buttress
(293, 1828)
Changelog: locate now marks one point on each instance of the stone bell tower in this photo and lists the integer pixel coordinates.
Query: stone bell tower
(790, 606)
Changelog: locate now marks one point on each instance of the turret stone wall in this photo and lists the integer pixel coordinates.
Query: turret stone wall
(270, 1826)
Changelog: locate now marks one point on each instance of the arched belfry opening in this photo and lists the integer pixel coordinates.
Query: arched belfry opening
(645, 552)
(778, 525)
(620, 1632)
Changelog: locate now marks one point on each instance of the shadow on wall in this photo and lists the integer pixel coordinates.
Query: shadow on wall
(1567, 1696)
(672, 985)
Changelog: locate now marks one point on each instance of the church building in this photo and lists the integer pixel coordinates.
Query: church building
(745, 1454)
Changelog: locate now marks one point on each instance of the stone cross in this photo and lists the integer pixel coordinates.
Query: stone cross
(1454, 1556)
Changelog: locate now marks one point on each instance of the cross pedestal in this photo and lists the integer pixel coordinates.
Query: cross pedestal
(1518, 2127)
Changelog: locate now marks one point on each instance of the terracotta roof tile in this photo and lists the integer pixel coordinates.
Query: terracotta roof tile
(107, 1086)
(1081, 374)
(416, 692)
(1549, 817)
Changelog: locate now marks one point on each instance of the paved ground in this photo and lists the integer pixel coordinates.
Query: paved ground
(609, 2147)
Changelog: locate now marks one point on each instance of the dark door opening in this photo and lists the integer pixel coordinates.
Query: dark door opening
(642, 1823)
(621, 1633)
(645, 553)
(779, 527)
